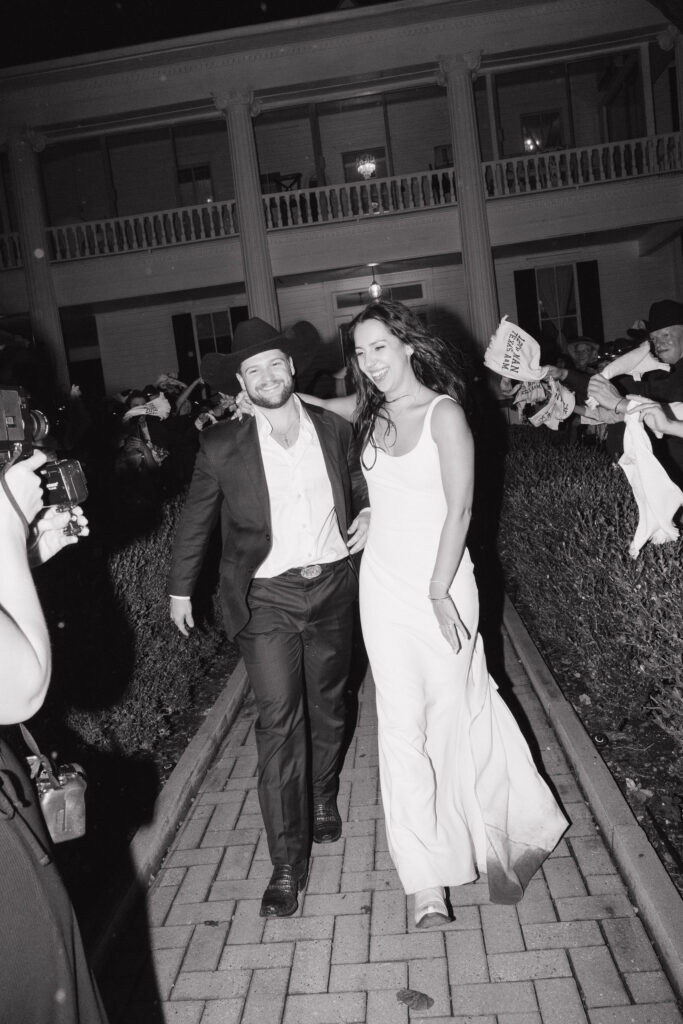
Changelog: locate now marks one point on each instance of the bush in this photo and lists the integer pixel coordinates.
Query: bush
(611, 627)
(121, 668)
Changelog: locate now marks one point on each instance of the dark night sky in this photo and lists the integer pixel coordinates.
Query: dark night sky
(34, 30)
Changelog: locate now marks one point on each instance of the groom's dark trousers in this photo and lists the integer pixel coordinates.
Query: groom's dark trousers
(294, 633)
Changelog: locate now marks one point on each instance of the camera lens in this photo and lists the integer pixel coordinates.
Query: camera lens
(40, 425)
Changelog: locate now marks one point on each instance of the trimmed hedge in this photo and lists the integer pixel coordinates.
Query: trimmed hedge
(611, 627)
(122, 671)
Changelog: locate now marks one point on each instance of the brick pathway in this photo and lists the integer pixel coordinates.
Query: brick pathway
(572, 952)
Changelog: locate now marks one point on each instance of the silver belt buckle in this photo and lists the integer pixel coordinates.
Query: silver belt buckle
(311, 572)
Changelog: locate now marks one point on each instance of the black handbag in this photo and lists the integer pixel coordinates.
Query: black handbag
(60, 790)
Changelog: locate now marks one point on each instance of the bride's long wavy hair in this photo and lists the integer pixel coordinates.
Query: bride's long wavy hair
(436, 364)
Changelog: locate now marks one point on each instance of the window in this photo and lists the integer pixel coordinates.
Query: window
(212, 331)
(195, 185)
(443, 156)
(542, 131)
(558, 303)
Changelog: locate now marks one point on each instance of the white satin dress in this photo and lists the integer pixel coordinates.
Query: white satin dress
(460, 791)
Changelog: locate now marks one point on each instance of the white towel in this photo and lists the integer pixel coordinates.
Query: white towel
(657, 496)
(634, 363)
(513, 353)
(559, 402)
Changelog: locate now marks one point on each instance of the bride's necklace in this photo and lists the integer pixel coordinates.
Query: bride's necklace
(390, 401)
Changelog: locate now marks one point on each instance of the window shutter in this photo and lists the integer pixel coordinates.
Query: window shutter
(183, 333)
(588, 281)
(527, 302)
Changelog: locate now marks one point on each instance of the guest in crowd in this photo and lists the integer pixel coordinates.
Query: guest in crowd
(44, 976)
(665, 328)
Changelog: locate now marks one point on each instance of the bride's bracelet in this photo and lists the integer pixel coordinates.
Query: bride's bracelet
(446, 597)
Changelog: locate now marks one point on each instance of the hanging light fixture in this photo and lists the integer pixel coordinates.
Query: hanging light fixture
(375, 288)
(366, 165)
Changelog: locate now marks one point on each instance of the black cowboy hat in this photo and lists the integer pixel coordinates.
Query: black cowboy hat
(666, 313)
(252, 337)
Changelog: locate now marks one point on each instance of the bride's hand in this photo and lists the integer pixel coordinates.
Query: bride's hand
(451, 625)
(244, 406)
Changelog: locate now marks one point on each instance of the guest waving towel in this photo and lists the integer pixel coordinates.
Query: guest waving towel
(634, 363)
(657, 497)
(514, 353)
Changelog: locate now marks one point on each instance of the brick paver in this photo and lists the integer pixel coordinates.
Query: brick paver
(574, 951)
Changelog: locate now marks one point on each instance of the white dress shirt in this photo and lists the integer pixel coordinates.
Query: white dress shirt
(303, 517)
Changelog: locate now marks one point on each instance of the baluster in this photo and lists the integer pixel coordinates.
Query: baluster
(394, 195)
(564, 169)
(643, 155)
(203, 223)
(618, 161)
(573, 168)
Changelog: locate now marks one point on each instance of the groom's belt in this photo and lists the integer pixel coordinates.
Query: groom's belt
(311, 572)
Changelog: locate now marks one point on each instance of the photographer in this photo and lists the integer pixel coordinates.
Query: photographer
(44, 977)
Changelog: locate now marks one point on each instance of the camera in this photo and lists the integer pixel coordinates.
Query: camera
(61, 792)
(21, 427)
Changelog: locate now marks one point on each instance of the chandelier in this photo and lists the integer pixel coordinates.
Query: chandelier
(375, 288)
(366, 165)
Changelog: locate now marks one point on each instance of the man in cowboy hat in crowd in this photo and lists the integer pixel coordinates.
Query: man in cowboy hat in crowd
(665, 328)
(286, 484)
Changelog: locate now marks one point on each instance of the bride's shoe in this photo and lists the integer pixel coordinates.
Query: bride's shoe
(430, 907)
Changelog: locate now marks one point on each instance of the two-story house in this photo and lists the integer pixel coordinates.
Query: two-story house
(472, 157)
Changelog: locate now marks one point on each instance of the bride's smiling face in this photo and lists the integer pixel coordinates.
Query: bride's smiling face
(381, 356)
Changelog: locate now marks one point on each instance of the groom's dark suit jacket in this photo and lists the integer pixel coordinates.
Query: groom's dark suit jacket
(229, 480)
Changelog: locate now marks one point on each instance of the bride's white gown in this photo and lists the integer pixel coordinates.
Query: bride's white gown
(460, 791)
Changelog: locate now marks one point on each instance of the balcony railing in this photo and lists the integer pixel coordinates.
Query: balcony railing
(142, 231)
(397, 194)
(546, 172)
(586, 165)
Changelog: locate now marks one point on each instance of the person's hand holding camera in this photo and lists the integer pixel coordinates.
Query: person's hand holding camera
(24, 486)
(55, 530)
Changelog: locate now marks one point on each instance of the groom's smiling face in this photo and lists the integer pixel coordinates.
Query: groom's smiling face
(268, 378)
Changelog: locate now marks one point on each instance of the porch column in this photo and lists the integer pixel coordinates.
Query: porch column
(258, 272)
(477, 259)
(46, 327)
(678, 44)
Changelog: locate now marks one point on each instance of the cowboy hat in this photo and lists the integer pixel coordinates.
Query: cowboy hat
(666, 313)
(595, 345)
(251, 338)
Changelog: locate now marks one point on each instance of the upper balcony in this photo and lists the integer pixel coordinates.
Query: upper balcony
(530, 176)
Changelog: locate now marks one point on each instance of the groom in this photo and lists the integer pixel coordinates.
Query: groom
(286, 484)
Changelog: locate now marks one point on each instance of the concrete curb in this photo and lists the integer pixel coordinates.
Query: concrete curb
(150, 842)
(658, 901)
